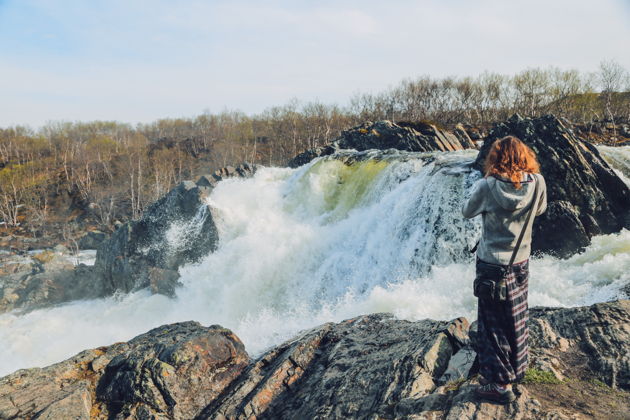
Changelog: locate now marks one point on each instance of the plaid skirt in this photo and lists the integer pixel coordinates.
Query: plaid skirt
(502, 329)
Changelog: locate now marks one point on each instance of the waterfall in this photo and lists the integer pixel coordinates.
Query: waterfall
(346, 235)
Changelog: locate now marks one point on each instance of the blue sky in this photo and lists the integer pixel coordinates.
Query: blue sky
(139, 60)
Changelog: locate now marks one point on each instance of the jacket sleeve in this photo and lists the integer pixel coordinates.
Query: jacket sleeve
(477, 200)
(542, 202)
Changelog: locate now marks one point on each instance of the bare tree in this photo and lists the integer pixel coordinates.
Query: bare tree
(612, 78)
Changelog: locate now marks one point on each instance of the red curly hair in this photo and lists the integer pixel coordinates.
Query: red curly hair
(509, 157)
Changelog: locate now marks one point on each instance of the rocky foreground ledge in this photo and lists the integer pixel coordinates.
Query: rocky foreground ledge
(372, 366)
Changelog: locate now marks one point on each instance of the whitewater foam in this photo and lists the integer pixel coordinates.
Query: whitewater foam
(619, 159)
(324, 242)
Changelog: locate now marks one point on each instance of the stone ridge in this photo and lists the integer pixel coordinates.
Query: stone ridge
(406, 136)
(371, 366)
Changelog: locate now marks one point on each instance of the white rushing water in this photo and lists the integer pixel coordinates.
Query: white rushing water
(324, 242)
(619, 159)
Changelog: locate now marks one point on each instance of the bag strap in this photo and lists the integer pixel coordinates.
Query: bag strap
(529, 216)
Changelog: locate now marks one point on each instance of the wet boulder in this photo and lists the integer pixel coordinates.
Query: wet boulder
(353, 369)
(375, 366)
(585, 195)
(176, 229)
(27, 291)
(46, 278)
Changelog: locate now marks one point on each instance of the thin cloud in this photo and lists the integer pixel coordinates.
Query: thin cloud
(141, 60)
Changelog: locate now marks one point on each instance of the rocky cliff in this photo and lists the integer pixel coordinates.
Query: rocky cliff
(372, 366)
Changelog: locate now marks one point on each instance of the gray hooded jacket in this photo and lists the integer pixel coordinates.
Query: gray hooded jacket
(503, 209)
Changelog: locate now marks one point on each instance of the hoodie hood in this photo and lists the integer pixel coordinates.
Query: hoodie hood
(508, 196)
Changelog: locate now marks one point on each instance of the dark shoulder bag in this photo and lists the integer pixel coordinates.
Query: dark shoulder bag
(490, 282)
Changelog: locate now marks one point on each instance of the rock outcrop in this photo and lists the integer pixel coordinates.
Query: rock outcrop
(354, 369)
(585, 195)
(407, 136)
(31, 290)
(154, 247)
(43, 279)
(175, 230)
(371, 366)
(173, 371)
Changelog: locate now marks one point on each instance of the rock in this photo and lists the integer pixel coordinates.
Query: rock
(463, 137)
(51, 261)
(61, 249)
(585, 195)
(209, 181)
(92, 239)
(9, 266)
(407, 136)
(46, 288)
(163, 281)
(46, 278)
(171, 372)
(473, 133)
(596, 335)
(371, 366)
(175, 230)
(374, 366)
(244, 170)
(354, 369)
(308, 155)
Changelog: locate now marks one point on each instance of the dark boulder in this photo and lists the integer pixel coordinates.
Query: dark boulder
(585, 195)
(407, 136)
(244, 170)
(92, 239)
(47, 278)
(375, 366)
(175, 230)
(171, 372)
(47, 288)
(310, 154)
(463, 137)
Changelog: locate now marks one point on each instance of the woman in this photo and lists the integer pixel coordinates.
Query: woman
(511, 187)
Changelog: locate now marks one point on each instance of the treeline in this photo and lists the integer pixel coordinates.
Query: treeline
(489, 97)
(98, 172)
(103, 171)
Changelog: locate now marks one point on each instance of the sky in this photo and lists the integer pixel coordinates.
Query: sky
(140, 60)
